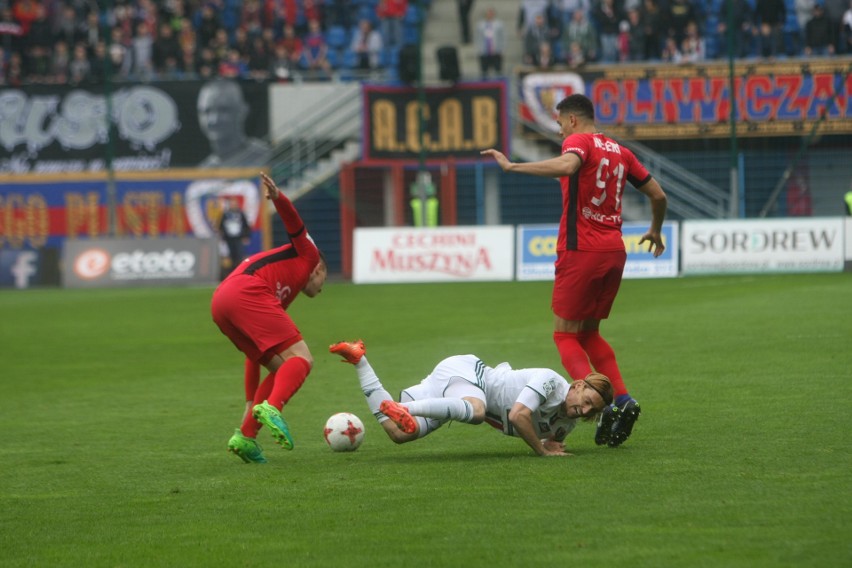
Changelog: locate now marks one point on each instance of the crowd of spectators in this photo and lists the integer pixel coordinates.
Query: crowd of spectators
(576, 32)
(84, 41)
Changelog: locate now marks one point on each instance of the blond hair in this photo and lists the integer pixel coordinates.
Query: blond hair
(601, 385)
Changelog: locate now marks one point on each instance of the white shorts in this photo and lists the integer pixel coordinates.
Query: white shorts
(458, 376)
(454, 377)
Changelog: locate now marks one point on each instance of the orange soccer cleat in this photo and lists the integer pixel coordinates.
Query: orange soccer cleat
(351, 351)
(400, 416)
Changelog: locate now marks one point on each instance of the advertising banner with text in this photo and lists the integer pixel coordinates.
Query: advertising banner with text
(458, 122)
(41, 212)
(536, 253)
(638, 101)
(57, 128)
(763, 245)
(96, 263)
(443, 254)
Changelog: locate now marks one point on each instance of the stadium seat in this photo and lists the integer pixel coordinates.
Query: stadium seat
(412, 15)
(349, 60)
(337, 37)
(410, 34)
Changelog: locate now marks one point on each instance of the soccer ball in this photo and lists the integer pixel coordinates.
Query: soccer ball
(344, 432)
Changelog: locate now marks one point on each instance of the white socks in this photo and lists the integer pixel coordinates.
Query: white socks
(442, 409)
(372, 388)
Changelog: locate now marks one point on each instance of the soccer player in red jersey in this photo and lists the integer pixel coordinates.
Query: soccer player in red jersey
(249, 307)
(592, 172)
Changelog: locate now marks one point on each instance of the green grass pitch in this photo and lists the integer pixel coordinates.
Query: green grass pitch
(116, 406)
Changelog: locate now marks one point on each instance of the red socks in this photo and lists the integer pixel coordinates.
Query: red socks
(582, 351)
(603, 358)
(278, 389)
(573, 356)
(288, 379)
(251, 378)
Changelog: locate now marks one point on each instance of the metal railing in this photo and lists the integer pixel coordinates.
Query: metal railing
(689, 196)
(329, 125)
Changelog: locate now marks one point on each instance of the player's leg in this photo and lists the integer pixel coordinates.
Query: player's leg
(354, 352)
(571, 287)
(224, 305)
(452, 391)
(461, 401)
(625, 410)
(289, 367)
(251, 380)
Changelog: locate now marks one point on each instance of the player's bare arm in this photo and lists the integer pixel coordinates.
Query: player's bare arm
(272, 191)
(659, 203)
(560, 166)
(521, 418)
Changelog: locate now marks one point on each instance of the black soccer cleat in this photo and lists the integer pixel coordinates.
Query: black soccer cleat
(623, 427)
(609, 415)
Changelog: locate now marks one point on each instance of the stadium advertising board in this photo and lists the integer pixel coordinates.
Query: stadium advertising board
(812, 244)
(536, 252)
(42, 211)
(38, 213)
(442, 254)
(664, 101)
(27, 268)
(458, 122)
(96, 263)
(58, 128)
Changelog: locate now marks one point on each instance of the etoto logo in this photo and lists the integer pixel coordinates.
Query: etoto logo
(94, 263)
(141, 263)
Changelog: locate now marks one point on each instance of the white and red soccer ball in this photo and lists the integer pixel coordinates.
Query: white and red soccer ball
(344, 432)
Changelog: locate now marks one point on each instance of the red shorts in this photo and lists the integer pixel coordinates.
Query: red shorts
(248, 312)
(586, 283)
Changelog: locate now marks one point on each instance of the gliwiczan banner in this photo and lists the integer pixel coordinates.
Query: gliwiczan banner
(665, 101)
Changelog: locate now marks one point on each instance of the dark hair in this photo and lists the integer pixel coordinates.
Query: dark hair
(581, 105)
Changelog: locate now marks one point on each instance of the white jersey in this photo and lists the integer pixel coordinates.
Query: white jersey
(541, 390)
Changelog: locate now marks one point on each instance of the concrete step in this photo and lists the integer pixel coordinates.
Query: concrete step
(442, 27)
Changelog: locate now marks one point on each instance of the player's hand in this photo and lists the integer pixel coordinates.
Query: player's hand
(553, 446)
(655, 242)
(551, 453)
(272, 191)
(499, 157)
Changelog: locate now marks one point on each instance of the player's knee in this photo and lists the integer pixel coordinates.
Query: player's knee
(309, 359)
(478, 410)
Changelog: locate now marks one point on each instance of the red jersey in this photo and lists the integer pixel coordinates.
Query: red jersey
(591, 198)
(285, 269)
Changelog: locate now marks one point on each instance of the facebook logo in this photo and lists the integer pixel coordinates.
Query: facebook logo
(18, 268)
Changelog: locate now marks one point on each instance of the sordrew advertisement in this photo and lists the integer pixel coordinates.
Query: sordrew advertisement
(537, 252)
(812, 244)
(781, 98)
(443, 254)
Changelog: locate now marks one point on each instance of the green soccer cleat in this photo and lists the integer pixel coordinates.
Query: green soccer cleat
(245, 448)
(271, 417)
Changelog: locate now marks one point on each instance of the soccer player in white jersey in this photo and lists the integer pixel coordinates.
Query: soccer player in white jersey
(537, 405)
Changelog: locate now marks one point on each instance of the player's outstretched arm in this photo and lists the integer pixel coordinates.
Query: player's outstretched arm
(292, 221)
(563, 165)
